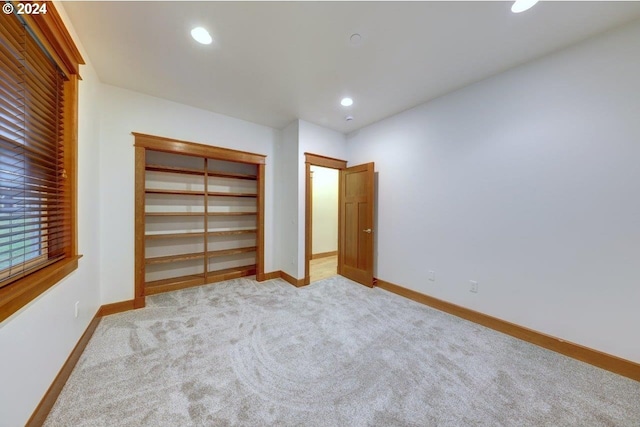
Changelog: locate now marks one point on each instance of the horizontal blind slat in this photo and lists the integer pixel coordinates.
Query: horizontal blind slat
(34, 206)
(12, 97)
(12, 68)
(12, 28)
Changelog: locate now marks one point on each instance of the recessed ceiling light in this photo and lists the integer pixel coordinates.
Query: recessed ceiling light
(201, 35)
(346, 102)
(522, 5)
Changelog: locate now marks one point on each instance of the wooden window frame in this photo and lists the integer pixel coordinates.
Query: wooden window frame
(51, 32)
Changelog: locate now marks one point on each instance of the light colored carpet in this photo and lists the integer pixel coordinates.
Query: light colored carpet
(331, 354)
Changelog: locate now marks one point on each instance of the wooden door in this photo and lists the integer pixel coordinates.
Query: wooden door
(356, 224)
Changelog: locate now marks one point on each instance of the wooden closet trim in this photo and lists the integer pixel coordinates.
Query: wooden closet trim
(176, 146)
(260, 276)
(139, 300)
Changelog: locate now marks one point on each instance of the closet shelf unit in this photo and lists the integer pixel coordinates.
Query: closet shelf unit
(199, 215)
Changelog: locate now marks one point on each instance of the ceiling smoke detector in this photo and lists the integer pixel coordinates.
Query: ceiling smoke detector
(355, 39)
(348, 118)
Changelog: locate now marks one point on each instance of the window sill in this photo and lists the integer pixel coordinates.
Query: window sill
(20, 293)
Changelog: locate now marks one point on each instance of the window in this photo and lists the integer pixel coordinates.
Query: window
(38, 131)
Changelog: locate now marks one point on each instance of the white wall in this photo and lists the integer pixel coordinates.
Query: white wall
(527, 182)
(324, 235)
(324, 142)
(123, 112)
(287, 200)
(298, 138)
(35, 342)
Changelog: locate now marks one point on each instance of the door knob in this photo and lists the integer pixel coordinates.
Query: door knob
(368, 230)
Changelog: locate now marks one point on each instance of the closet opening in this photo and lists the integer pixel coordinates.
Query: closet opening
(199, 215)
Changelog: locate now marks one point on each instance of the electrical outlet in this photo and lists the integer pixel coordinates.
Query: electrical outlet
(76, 308)
(474, 286)
(432, 275)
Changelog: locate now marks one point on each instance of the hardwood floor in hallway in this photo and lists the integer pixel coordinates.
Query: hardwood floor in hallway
(322, 268)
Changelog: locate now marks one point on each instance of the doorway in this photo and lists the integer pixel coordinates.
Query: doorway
(326, 169)
(324, 224)
(355, 218)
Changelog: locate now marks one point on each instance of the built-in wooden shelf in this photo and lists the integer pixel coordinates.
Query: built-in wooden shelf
(173, 284)
(231, 232)
(174, 258)
(231, 213)
(225, 252)
(196, 198)
(192, 171)
(197, 193)
(182, 282)
(174, 235)
(174, 192)
(198, 255)
(199, 213)
(230, 273)
(174, 213)
(232, 175)
(179, 235)
(219, 194)
(199, 234)
(174, 169)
